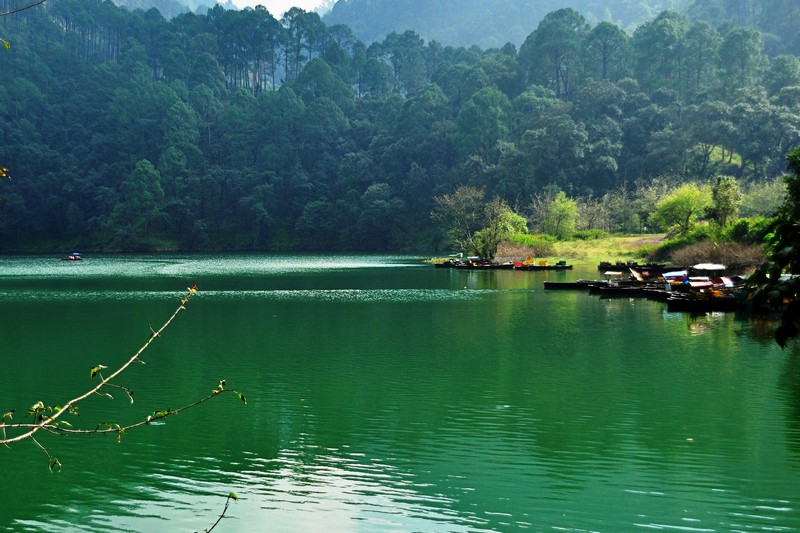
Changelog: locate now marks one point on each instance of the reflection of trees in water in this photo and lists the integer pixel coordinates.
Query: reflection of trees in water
(761, 328)
(789, 384)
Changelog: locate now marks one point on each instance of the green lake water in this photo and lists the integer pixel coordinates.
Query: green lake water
(385, 395)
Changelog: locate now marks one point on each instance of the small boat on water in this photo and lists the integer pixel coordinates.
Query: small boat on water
(688, 303)
(616, 290)
(648, 269)
(74, 256)
(477, 263)
(542, 265)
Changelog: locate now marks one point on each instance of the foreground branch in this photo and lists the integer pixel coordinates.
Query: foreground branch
(48, 418)
(23, 8)
(231, 496)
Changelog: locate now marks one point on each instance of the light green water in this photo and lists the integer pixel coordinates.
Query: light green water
(386, 395)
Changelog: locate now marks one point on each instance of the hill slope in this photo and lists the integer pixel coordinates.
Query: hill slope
(486, 23)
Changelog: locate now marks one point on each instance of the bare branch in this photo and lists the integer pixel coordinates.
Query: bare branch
(50, 422)
(231, 496)
(23, 8)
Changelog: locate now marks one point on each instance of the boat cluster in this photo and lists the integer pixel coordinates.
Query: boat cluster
(700, 288)
(476, 263)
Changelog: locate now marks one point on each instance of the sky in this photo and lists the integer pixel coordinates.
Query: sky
(278, 7)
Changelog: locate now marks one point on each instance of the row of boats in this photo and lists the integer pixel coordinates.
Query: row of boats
(476, 263)
(701, 288)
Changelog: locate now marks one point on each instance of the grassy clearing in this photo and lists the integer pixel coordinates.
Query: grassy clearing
(591, 252)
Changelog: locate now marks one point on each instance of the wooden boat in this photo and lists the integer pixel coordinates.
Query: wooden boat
(621, 290)
(648, 270)
(480, 264)
(660, 295)
(543, 265)
(579, 285)
(688, 303)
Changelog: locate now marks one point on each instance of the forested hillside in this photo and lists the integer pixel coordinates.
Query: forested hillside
(485, 23)
(234, 130)
(172, 8)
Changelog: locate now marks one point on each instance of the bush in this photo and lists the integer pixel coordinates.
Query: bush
(747, 230)
(665, 251)
(590, 235)
(523, 245)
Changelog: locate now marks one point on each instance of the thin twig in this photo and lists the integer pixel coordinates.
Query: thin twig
(23, 8)
(231, 496)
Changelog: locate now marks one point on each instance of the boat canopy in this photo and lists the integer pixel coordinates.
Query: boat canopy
(675, 274)
(724, 281)
(708, 266)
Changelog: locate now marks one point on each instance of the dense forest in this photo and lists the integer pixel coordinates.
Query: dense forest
(233, 130)
(478, 22)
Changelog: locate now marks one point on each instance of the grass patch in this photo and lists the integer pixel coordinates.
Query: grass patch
(589, 251)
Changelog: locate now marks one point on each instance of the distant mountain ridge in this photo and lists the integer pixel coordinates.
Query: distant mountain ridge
(486, 23)
(172, 8)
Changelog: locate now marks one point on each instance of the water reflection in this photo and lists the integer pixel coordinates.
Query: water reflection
(399, 399)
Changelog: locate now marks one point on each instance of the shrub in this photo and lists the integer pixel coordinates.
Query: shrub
(665, 251)
(747, 230)
(523, 245)
(590, 235)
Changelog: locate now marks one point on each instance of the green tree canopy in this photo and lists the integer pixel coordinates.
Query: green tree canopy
(680, 209)
(500, 224)
(774, 290)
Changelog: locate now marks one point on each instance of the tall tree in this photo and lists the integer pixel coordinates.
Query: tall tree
(551, 53)
(560, 216)
(660, 52)
(774, 289)
(606, 52)
(500, 224)
(742, 57)
(726, 198)
(702, 49)
(140, 207)
(459, 216)
(483, 121)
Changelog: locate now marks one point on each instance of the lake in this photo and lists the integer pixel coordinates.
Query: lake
(385, 395)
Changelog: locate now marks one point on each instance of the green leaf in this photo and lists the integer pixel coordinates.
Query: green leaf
(36, 408)
(233, 496)
(241, 396)
(54, 465)
(93, 372)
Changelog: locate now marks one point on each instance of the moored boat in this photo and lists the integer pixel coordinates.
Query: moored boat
(687, 303)
(543, 265)
(579, 285)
